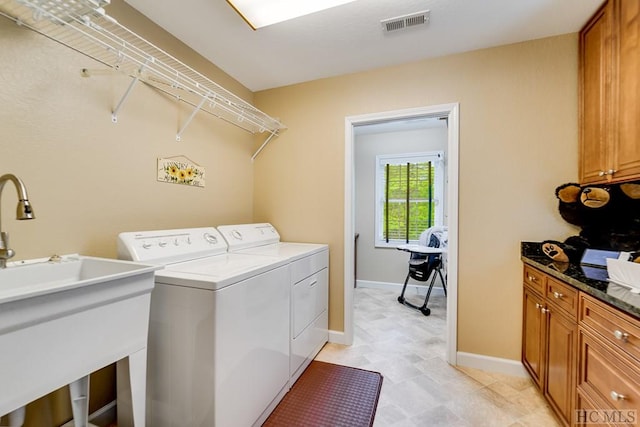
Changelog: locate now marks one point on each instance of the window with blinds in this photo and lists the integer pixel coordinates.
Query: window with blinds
(409, 190)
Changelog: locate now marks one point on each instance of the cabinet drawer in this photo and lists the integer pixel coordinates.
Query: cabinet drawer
(305, 267)
(563, 296)
(588, 412)
(612, 378)
(536, 279)
(616, 328)
(306, 345)
(309, 300)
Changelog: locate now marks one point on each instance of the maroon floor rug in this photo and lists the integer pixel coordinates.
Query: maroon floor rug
(329, 395)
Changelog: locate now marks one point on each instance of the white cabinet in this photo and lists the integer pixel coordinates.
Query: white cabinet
(309, 309)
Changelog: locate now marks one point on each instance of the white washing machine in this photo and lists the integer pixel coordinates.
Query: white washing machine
(309, 275)
(218, 352)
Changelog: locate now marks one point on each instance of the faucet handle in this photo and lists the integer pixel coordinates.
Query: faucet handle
(4, 240)
(5, 251)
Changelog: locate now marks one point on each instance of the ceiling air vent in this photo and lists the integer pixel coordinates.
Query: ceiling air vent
(405, 21)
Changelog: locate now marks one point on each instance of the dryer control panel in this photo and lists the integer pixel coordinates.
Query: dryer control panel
(169, 246)
(243, 236)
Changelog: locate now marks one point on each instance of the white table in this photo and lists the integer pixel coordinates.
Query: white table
(421, 249)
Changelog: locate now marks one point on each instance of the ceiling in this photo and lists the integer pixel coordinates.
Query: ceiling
(349, 38)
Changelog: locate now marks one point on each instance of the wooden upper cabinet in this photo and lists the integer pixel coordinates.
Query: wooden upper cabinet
(626, 127)
(610, 94)
(595, 86)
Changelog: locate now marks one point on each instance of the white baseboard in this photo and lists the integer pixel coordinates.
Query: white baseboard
(491, 364)
(471, 360)
(337, 337)
(419, 289)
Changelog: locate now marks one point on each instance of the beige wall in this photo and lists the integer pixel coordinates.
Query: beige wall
(518, 141)
(377, 264)
(89, 179)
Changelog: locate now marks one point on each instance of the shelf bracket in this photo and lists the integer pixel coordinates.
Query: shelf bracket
(264, 144)
(114, 113)
(193, 114)
(84, 26)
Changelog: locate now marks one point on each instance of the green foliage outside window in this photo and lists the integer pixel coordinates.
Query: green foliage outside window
(419, 188)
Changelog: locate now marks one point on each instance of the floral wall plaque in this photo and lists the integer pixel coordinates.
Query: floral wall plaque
(180, 170)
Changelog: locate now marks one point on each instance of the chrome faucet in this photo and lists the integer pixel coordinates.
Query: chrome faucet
(24, 211)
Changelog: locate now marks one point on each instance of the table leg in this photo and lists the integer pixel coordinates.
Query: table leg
(79, 392)
(132, 389)
(16, 418)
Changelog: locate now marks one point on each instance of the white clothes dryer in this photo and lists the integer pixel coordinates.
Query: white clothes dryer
(309, 279)
(218, 352)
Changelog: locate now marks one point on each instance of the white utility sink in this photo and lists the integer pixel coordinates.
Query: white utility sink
(61, 320)
(27, 279)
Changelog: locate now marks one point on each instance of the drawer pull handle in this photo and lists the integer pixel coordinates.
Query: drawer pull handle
(545, 310)
(312, 284)
(617, 396)
(622, 336)
(538, 306)
(531, 278)
(557, 295)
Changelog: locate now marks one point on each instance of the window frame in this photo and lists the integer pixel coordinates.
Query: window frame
(438, 161)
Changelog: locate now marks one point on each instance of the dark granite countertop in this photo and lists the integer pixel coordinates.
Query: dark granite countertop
(591, 281)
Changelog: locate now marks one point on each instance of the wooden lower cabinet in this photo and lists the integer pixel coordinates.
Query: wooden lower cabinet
(609, 372)
(549, 341)
(588, 412)
(533, 338)
(582, 353)
(559, 380)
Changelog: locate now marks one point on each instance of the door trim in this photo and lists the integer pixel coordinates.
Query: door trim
(451, 111)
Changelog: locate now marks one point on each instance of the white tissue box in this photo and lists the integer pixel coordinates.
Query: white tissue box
(625, 273)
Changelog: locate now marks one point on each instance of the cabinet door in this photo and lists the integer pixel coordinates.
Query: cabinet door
(627, 102)
(595, 106)
(560, 371)
(533, 337)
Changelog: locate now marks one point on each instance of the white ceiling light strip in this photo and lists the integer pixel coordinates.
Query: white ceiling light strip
(84, 26)
(261, 13)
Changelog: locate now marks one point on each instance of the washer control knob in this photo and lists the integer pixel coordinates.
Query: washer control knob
(175, 241)
(162, 244)
(146, 245)
(210, 238)
(236, 234)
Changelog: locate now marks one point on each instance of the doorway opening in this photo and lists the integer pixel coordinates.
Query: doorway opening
(450, 112)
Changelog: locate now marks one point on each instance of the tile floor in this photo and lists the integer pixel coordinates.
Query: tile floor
(420, 388)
